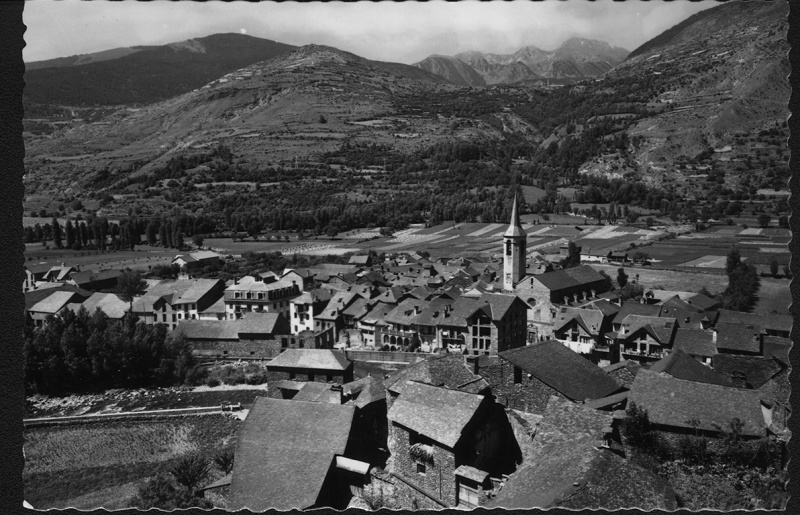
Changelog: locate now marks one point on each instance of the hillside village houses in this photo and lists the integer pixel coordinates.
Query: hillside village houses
(493, 361)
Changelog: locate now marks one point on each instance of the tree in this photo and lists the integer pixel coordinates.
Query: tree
(70, 234)
(198, 240)
(783, 222)
(129, 285)
(733, 261)
(191, 470)
(57, 236)
(573, 258)
(763, 220)
(622, 278)
(224, 460)
(162, 493)
(773, 267)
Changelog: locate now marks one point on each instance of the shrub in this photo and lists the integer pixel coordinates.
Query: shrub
(224, 460)
(191, 470)
(212, 382)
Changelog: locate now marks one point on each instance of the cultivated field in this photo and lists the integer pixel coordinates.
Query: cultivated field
(72, 461)
(141, 258)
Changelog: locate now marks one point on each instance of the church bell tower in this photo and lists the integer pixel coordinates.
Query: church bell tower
(514, 251)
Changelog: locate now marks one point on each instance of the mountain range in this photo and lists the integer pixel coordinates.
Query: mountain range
(575, 59)
(714, 83)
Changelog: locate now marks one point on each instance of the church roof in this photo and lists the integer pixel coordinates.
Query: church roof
(515, 229)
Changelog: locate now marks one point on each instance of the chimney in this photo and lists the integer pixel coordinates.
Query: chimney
(566, 299)
(235, 280)
(336, 394)
(594, 293)
(714, 335)
(687, 319)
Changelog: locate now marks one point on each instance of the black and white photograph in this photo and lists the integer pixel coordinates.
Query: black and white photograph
(408, 256)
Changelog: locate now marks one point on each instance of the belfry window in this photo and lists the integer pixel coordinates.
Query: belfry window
(508, 248)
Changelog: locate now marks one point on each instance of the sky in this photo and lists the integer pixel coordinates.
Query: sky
(400, 32)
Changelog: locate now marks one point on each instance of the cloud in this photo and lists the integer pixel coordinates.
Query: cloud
(403, 32)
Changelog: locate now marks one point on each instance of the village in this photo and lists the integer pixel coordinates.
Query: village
(414, 382)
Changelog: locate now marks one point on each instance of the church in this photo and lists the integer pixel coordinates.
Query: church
(545, 293)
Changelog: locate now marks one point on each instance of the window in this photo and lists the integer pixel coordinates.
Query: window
(291, 375)
(517, 375)
(164, 317)
(237, 295)
(311, 377)
(329, 377)
(420, 468)
(173, 317)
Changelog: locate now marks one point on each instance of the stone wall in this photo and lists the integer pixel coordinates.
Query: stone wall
(236, 348)
(438, 480)
(530, 395)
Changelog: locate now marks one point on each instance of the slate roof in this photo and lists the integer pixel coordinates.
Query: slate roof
(515, 229)
(376, 314)
(438, 413)
(631, 307)
(563, 370)
(312, 359)
(313, 391)
(259, 323)
(208, 329)
(703, 302)
(564, 450)
(754, 371)
(357, 309)
(167, 289)
(448, 370)
(359, 260)
(695, 342)
(682, 366)
(591, 320)
(777, 347)
(499, 304)
(769, 321)
(660, 328)
(39, 268)
(88, 276)
(738, 338)
(284, 451)
(673, 402)
(569, 277)
(676, 304)
(364, 391)
(249, 283)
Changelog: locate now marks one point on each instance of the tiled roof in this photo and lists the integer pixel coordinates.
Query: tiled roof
(197, 290)
(682, 366)
(312, 359)
(39, 268)
(34, 296)
(108, 303)
(249, 283)
(448, 370)
(54, 302)
(747, 371)
(738, 338)
(216, 307)
(438, 413)
(563, 370)
(284, 451)
(695, 342)
(674, 402)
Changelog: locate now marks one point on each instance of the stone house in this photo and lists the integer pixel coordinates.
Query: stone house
(293, 366)
(304, 308)
(445, 445)
(296, 455)
(525, 378)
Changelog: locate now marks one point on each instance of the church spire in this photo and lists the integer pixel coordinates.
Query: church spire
(515, 228)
